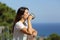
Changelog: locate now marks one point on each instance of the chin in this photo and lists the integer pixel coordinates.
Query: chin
(25, 19)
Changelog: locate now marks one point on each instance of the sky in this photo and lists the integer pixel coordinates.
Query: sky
(46, 11)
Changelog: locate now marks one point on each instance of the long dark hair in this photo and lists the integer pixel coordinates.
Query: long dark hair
(19, 14)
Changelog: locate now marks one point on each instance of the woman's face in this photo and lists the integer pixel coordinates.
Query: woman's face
(26, 14)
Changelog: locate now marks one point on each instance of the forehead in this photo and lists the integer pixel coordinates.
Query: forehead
(26, 10)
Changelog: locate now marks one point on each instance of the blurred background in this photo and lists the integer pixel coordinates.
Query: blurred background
(46, 22)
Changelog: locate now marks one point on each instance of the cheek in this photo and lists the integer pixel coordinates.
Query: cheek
(25, 16)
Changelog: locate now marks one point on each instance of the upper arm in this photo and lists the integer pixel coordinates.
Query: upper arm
(22, 28)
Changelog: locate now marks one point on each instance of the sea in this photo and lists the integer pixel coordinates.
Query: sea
(45, 29)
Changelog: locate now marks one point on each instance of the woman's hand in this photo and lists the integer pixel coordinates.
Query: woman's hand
(30, 17)
(34, 33)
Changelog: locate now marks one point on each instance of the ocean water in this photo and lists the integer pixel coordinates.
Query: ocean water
(45, 29)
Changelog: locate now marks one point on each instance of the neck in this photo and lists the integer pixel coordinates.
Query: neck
(22, 20)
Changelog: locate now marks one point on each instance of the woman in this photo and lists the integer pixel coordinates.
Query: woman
(20, 28)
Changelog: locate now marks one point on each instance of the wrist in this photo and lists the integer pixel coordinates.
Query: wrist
(29, 20)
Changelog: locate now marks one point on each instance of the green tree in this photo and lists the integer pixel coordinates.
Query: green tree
(53, 36)
(7, 15)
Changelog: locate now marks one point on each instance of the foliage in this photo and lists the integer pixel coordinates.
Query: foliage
(53, 36)
(7, 15)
